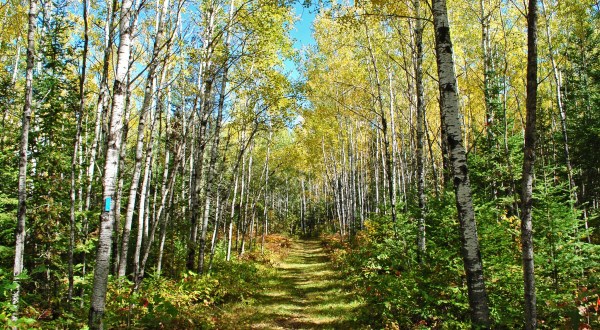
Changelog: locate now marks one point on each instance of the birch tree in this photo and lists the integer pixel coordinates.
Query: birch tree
(528, 162)
(23, 152)
(478, 301)
(111, 169)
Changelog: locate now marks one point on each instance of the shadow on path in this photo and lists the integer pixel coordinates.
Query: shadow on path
(304, 293)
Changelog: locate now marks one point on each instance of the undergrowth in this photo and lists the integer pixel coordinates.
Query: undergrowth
(185, 301)
(381, 264)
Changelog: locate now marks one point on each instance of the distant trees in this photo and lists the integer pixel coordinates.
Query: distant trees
(489, 123)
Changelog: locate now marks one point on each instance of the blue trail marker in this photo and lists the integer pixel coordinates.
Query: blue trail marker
(107, 204)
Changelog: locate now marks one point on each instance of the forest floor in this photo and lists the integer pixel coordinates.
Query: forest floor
(303, 292)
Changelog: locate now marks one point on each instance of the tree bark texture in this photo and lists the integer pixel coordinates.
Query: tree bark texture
(22, 189)
(478, 299)
(111, 169)
(421, 243)
(528, 162)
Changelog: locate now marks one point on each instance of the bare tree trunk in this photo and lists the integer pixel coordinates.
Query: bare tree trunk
(528, 163)
(376, 170)
(142, 230)
(210, 176)
(149, 91)
(303, 209)
(265, 212)
(137, 169)
(231, 216)
(430, 143)
(561, 108)
(421, 243)
(206, 77)
(487, 71)
(478, 299)
(101, 106)
(389, 162)
(245, 212)
(163, 188)
(22, 190)
(111, 170)
(120, 184)
(76, 143)
(13, 80)
(209, 188)
(240, 225)
(213, 241)
(167, 188)
(102, 98)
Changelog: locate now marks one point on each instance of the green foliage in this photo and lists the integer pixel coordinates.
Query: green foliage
(401, 293)
(7, 285)
(8, 214)
(398, 291)
(567, 276)
(188, 301)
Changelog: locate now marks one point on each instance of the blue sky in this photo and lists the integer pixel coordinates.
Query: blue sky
(303, 28)
(302, 34)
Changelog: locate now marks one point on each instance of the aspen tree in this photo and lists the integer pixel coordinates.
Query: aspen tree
(528, 163)
(111, 169)
(103, 97)
(76, 147)
(421, 243)
(478, 300)
(210, 176)
(149, 92)
(21, 232)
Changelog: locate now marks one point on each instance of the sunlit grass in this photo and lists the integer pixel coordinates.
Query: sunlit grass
(302, 293)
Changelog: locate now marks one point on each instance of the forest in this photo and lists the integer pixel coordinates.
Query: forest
(184, 164)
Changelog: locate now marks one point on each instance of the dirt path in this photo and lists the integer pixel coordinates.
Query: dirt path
(304, 293)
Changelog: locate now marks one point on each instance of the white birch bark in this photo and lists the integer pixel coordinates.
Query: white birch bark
(111, 168)
(418, 57)
(20, 231)
(210, 184)
(76, 145)
(149, 92)
(102, 103)
(231, 216)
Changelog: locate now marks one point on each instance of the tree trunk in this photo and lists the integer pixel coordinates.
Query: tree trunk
(528, 162)
(206, 77)
(102, 98)
(142, 230)
(111, 170)
(101, 105)
(22, 189)
(265, 211)
(231, 216)
(389, 162)
(245, 211)
(421, 243)
(211, 175)
(76, 143)
(120, 184)
(478, 299)
(303, 209)
(149, 91)
(561, 109)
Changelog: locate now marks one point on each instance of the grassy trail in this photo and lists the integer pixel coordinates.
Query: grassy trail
(303, 293)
